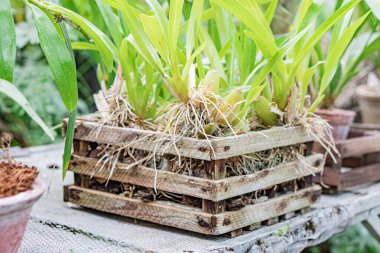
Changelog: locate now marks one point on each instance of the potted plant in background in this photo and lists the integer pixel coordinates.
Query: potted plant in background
(19, 190)
(337, 62)
(369, 95)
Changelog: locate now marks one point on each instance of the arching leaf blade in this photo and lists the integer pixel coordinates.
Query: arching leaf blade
(58, 57)
(11, 91)
(7, 42)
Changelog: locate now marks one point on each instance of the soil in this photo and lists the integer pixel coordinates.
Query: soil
(16, 178)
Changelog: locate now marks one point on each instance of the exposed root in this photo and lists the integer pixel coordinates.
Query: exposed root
(321, 131)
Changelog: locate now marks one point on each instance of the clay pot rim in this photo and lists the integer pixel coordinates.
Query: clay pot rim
(365, 93)
(337, 117)
(336, 112)
(22, 200)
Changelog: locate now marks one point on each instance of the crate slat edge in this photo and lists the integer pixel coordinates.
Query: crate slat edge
(226, 147)
(195, 221)
(282, 173)
(214, 190)
(141, 139)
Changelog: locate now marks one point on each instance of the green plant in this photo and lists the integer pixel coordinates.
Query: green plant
(186, 67)
(33, 77)
(56, 46)
(285, 76)
(340, 59)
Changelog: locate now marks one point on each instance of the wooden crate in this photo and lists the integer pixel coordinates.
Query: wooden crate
(359, 162)
(217, 202)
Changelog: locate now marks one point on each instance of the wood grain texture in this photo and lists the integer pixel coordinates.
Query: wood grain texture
(359, 162)
(360, 175)
(235, 186)
(143, 176)
(142, 139)
(359, 146)
(190, 218)
(222, 147)
(214, 190)
(258, 141)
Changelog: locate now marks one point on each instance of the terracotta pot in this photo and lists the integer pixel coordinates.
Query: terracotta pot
(369, 102)
(14, 215)
(340, 120)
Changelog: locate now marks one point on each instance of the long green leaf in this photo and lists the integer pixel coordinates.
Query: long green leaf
(58, 57)
(111, 21)
(317, 35)
(106, 47)
(193, 25)
(140, 39)
(11, 91)
(68, 142)
(336, 53)
(175, 14)
(212, 52)
(156, 35)
(7, 41)
(250, 14)
(270, 11)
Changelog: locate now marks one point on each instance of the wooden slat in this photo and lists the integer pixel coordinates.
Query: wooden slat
(258, 141)
(359, 146)
(143, 176)
(214, 190)
(141, 139)
(360, 175)
(191, 147)
(191, 219)
(235, 186)
(367, 126)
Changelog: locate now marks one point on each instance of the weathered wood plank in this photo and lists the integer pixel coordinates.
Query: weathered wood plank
(214, 190)
(359, 146)
(191, 147)
(272, 207)
(142, 139)
(258, 141)
(360, 175)
(189, 218)
(366, 126)
(143, 176)
(234, 186)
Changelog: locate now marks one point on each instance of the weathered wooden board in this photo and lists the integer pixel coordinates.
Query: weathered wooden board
(190, 218)
(143, 176)
(142, 139)
(190, 147)
(234, 186)
(358, 164)
(360, 175)
(359, 146)
(214, 190)
(258, 141)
